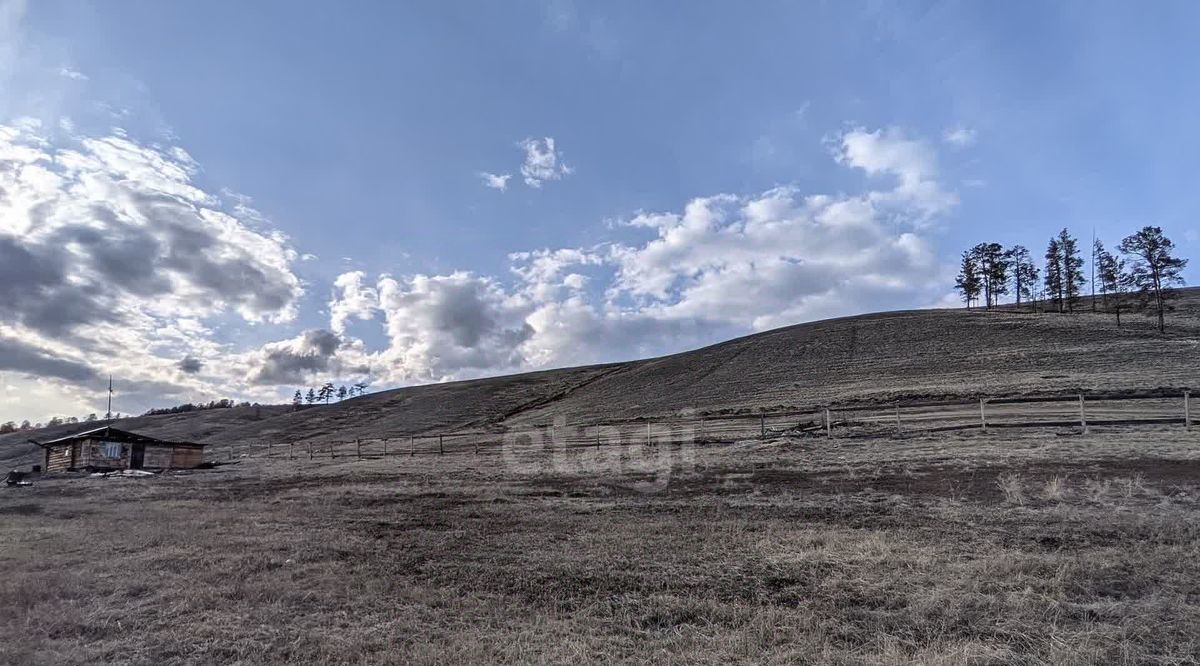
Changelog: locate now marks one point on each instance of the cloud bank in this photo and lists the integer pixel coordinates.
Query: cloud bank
(113, 258)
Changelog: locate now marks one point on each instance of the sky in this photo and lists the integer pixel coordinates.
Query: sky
(230, 199)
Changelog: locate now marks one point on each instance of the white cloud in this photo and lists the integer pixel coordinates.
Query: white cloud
(72, 74)
(918, 195)
(543, 162)
(960, 137)
(111, 258)
(354, 300)
(495, 181)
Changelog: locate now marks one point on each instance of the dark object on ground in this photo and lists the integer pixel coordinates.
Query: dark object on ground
(16, 478)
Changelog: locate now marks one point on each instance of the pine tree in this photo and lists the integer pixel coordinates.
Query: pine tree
(1054, 274)
(311, 396)
(341, 393)
(1154, 270)
(967, 282)
(1112, 279)
(297, 399)
(1024, 273)
(1072, 268)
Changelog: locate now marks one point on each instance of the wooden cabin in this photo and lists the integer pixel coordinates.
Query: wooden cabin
(105, 448)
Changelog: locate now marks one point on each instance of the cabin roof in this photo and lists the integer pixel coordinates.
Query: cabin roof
(115, 435)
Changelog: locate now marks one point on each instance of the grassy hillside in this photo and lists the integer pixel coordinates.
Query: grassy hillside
(869, 357)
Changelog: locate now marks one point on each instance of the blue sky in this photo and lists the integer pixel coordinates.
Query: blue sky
(716, 169)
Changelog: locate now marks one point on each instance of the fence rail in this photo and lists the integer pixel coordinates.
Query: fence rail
(856, 420)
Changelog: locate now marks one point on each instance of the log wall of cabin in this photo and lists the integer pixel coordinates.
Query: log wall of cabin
(58, 458)
(158, 457)
(187, 456)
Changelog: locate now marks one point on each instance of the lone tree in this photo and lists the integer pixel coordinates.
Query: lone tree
(967, 283)
(297, 399)
(1054, 273)
(326, 392)
(1112, 278)
(341, 393)
(1024, 273)
(311, 396)
(1153, 269)
(1072, 268)
(361, 387)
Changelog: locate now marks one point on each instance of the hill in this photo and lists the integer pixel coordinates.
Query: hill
(872, 357)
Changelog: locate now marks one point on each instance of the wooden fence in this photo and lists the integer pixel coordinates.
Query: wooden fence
(1079, 412)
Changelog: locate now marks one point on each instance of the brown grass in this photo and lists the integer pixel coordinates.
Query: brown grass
(842, 552)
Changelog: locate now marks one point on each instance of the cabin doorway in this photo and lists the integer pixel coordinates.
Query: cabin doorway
(137, 456)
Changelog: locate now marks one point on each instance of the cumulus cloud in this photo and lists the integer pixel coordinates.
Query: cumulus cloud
(110, 253)
(543, 162)
(913, 162)
(296, 360)
(496, 181)
(352, 299)
(442, 325)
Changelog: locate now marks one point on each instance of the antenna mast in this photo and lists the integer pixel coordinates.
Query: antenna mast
(108, 416)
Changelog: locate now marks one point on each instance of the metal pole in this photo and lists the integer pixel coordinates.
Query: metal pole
(412, 445)
(310, 451)
(441, 451)
(358, 448)
(647, 433)
(385, 447)
(899, 428)
(828, 424)
(983, 414)
(762, 426)
(597, 436)
(1187, 411)
(1082, 415)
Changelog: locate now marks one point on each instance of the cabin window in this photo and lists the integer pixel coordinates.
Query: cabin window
(110, 450)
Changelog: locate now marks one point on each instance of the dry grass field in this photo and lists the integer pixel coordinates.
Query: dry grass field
(1019, 547)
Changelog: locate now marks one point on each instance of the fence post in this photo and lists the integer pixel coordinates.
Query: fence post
(310, 450)
(1187, 410)
(597, 435)
(762, 426)
(358, 448)
(899, 428)
(476, 446)
(291, 450)
(1082, 416)
(231, 451)
(983, 414)
(412, 445)
(828, 424)
(441, 450)
(268, 448)
(648, 440)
